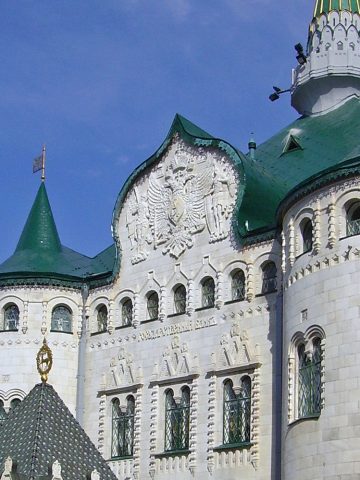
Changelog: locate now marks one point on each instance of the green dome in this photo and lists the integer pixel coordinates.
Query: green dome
(326, 6)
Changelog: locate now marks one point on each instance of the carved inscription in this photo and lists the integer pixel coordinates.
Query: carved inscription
(190, 190)
(176, 329)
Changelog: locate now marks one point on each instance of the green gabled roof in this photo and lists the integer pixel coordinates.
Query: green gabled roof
(327, 143)
(41, 258)
(326, 6)
(40, 430)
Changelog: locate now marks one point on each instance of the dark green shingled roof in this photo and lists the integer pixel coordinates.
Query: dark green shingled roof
(326, 6)
(39, 256)
(40, 430)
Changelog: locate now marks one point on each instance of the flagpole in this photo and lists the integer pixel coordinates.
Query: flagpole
(43, 158)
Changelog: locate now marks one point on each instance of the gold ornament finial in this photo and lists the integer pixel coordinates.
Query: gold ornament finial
(44, 361)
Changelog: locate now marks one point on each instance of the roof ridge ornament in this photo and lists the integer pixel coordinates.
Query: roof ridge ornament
(44, 361)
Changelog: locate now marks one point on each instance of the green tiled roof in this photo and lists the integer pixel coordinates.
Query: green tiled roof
(41, 258)
(326, 6)
(40, 430)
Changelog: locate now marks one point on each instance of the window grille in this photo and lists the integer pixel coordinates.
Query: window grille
(3, 413)
(180, 299)
(11, 317)
(127, 312)
(153, 306)
(102, 318)
(177, 421)
(238, 285)
(237, 413)
(269, 281)
(61, 319)
(208, 293)
(353, 220)
(122, 429)
(309, 381)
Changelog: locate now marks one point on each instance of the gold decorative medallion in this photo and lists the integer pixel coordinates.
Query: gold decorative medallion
(44, 361)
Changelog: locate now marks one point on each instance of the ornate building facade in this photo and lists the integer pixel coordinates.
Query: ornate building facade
(217, 337)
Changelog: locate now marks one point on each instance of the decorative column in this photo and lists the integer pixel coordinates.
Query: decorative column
(111, 317)
(291, 232)
(162, 309)
(250, 291)
(317, 229)
(193, 426)
(211, 425)
(190, 298)
(44, 318)
(255, 419)
(102, 418)
(137, 430)
(219, 290)
(24, 327)
(136, 316)
(331, 224)
(79, 320)
(153, 428)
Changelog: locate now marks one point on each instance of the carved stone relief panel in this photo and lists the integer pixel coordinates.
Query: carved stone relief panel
(191, 190)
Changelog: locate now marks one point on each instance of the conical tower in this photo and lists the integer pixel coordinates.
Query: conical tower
(331, 73)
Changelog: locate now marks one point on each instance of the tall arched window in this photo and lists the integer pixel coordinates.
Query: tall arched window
(177, 421)
(180, 299)
(307, 235)
(309, 380)
(11, 317)
(126, 312)
(3, 414)
(353, 219)
(152, 306)
(237, 412)
(238, 285)
(269, 274)
(208, 292)
(61, 319)
(102, 318)
(123, 428)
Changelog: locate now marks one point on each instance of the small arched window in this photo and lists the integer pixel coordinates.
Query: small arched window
(11, 317)
(3, 413)
(353, 219)
(61, 319)
(306, 235)
(152, 306)
(180, 299)
(237, 412)
(15, 402)
(269, 278)
(102, 318)
(340, 46)
(123, 428)
(238, 285)
(309, 380)
(126, 312)
(208, 292)
(177, 421)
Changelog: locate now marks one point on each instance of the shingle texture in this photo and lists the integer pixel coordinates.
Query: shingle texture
(41, 430)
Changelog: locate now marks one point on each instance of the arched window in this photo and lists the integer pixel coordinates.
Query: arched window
(11, 317)
(208, 292)
(123, 428)
(238, 285)
(126, 312)
(15, 402)
(3, 414)
(102, 318)
(340, 46)
(180, 299)
(177, 421)
(237, 412)
(61, 319)
(353, 219)
(309, 381)
(152, 306)
(269, 274)
(307, 235)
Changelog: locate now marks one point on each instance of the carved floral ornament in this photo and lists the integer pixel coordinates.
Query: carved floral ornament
(190, 190)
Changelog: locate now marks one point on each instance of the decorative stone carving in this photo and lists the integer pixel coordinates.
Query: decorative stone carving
(176, 361)
(291, 242)
(190, 190)
(235, 349)
(8, 464)
(317, 229)
(331, 225)
(122, 371)
(56, 471)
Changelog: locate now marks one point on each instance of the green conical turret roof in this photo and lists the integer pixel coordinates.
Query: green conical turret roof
(40, 257)
(326, 6)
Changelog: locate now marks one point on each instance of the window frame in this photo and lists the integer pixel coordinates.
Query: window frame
(208, 298)
(6, 322)
(99, 308)
(238, 407)
(269, 284)
(152, 315)
(69, 310)
(122, 429)
(242, 296)
(177, 421)
(124, 302)
(180, 302)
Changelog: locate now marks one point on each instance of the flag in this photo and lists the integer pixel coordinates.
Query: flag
(37, 164)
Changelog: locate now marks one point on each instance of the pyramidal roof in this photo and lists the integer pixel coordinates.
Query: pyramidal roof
(41, 257)
(326, 6)
(42, 430)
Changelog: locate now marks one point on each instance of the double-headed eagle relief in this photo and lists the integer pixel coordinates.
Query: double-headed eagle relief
(190, 190)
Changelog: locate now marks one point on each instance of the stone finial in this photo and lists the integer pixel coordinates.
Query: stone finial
(56, 471)
(95, 475)
(8, 464)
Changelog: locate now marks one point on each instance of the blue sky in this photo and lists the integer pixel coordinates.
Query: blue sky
(99, 81)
